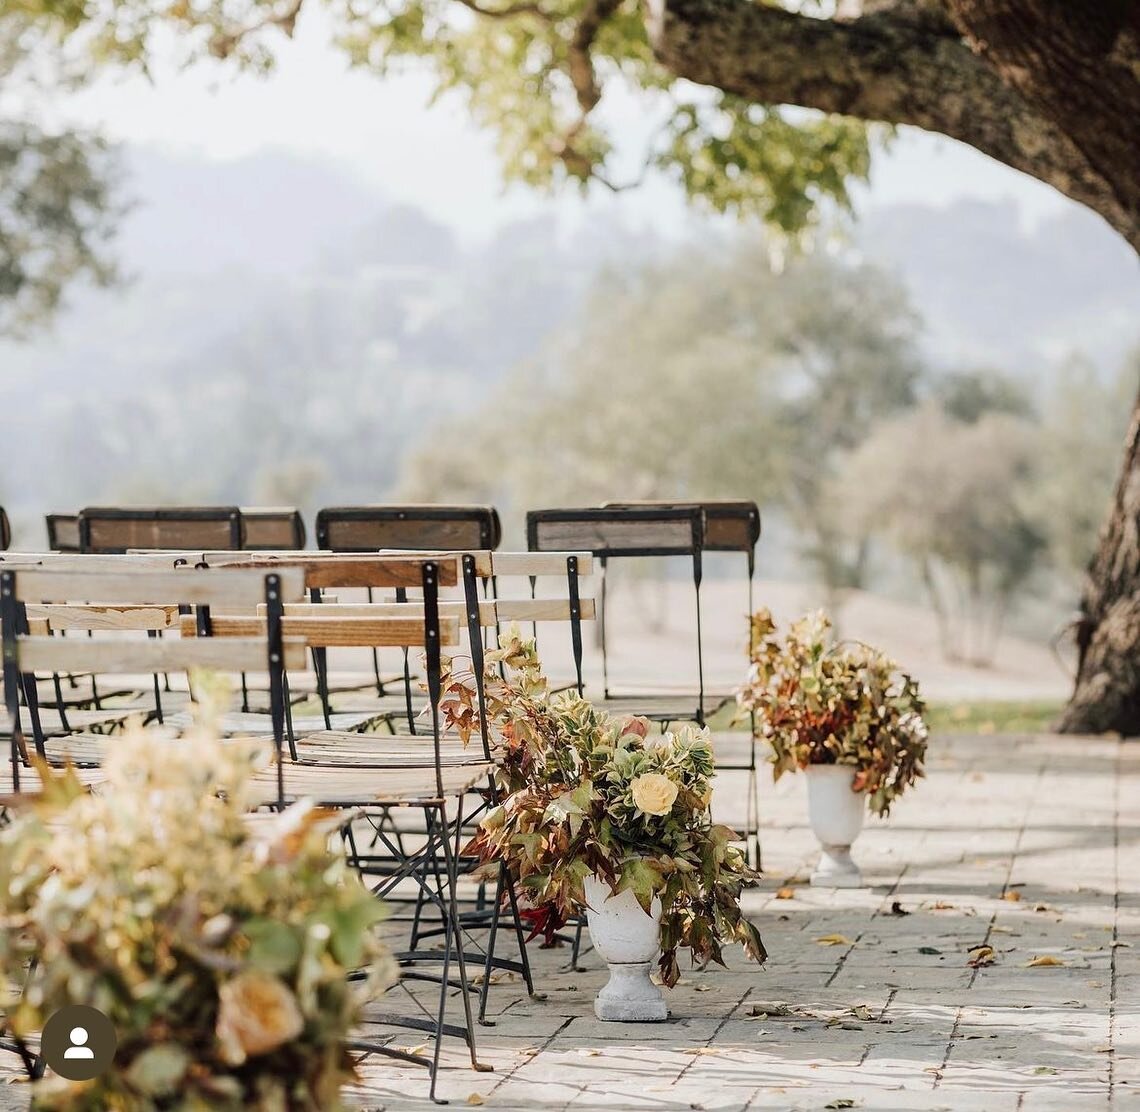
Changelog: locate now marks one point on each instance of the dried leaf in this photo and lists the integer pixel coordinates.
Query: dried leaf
(475, 1098)
(928, 950)
(1045, 1070)
(1012, 896)
(843, 1102)
(834, 940)
(786, 894)
(702, 1051)
(1043, 960)
(898, 909)
(941, 905)
(980, 957)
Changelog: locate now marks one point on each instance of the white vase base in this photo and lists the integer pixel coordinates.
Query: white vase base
(836, 869)
(630, 996)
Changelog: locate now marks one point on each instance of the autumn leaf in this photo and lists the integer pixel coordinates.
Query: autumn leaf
(1012, 896)
(1044, 960)
(786, 894)
(834, 940)
(980, 957)
(475, 1098)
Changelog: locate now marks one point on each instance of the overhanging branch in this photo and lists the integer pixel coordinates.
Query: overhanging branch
(880, 66)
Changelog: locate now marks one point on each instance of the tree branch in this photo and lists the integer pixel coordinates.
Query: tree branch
(523, 7)
(1080, 63)
(880, 66)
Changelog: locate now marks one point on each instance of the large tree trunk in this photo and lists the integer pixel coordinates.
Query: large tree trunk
(1107, 692)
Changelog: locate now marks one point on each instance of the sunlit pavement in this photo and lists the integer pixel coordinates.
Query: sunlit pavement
(890, 1016)
(1025, 844)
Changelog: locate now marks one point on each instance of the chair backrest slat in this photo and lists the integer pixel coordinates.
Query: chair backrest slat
(105, 657)
(5, 530)
(334, 632)
(272, 528)
(93, 617)
(347, 570)
(418, 528)
(109, 529)
(63, 532)
(647, 531)
(244, 588)
(730, 526)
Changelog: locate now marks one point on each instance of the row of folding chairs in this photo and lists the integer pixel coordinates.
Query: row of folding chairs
(253, 615)
(613, 532)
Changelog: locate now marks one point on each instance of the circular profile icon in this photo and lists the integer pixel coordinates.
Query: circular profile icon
(78, 1043)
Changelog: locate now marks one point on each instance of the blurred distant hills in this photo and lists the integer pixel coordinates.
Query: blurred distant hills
(287, 332)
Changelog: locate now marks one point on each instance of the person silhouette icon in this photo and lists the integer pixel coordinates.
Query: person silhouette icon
(79, 1047)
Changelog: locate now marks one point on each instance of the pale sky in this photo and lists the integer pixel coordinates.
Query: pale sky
(383, 131)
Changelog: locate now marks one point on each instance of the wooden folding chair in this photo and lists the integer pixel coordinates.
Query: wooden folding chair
(621, 533)
(30, 594)
(730, 526)
(408, 528)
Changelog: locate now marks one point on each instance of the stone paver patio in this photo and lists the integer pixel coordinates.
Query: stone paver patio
(1025, 844)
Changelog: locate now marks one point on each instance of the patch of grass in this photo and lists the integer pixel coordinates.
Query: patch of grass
(1032, 717)
(992, 717)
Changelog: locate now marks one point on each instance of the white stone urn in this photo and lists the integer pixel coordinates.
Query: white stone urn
(629, 942)
(836, 814)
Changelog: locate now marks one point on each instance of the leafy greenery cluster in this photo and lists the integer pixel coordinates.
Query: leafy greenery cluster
(586, 794)
(817, 702)
(219, 949)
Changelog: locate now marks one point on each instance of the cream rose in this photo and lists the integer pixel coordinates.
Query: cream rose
(257, 1013)
(654, 794)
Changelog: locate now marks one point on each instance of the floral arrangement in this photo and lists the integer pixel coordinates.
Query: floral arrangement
(819, 702)
(218, 947)
(586, 794)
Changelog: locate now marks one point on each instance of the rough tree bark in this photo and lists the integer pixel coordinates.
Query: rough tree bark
(1049, 87)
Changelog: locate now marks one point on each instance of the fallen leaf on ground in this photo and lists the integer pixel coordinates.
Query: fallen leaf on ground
(1012, 896)
(1105, 1050)
(774, 1011)
(702, 1051)
(928, 950)
(1042, 907)
(941, 905)
(475, 1098)
(980, 957)
(1043, 960)
(834, 940)
(1045, 1070)
(843, 1102)
(898, 909)
(786, 894)
(703, 988)
(587, 1052)
(861, 1011)
(1119, 943)
(414, 1051)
